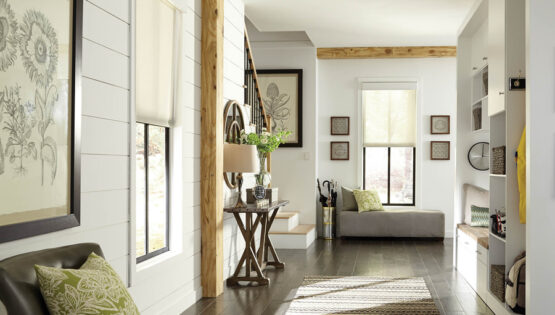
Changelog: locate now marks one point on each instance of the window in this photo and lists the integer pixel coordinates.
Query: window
(389, 137)
(390, 171)
(157, 45)
(152, 190)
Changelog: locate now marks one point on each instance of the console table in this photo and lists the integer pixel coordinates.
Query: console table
(256, 260)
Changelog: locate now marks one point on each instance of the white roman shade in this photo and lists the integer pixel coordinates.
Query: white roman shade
(157, 43)
(389, 114)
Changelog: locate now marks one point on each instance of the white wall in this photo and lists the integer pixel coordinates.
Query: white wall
(169, 283)
(540, 153)
(338, 96)
(294, 169)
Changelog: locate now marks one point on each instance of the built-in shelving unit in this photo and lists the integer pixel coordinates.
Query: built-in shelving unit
(491, 49)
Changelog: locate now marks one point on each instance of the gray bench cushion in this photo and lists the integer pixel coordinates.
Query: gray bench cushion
(392, 223)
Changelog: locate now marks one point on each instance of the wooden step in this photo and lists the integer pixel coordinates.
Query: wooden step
(285, 221)
(298, 230)
(299, 237)
(285, 214)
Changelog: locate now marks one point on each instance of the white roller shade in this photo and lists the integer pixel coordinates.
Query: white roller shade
(155, 60)
(389, 114)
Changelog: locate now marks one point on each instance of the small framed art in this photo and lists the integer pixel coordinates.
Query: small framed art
(339, 150)
(440, 124)
(440, 150)
(340, 126)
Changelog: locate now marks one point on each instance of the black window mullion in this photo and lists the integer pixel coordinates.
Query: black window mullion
(146, 190)
(389, 175)
(167, 148)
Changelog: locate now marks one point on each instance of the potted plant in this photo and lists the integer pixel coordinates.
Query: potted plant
(265, 143)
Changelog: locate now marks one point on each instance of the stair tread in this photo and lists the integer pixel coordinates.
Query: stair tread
(285, 215)
(298, 230)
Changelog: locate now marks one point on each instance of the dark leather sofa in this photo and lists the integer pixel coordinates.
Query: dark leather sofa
(19, 289)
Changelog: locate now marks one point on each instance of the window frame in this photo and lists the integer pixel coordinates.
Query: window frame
(148, 255)
(388, 203)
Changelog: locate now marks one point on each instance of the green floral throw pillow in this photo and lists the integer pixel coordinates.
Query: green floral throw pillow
(479, 216)
(367, 200)
(95, 288)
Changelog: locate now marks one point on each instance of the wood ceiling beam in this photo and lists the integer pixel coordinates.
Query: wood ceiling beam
(387, 52)
(212, 142)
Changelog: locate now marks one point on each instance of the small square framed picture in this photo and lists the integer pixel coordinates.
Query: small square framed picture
(440, 124)
(440, 150)
(339, 150)
(340, 126)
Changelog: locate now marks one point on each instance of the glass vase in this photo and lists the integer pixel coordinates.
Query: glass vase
(262, 178)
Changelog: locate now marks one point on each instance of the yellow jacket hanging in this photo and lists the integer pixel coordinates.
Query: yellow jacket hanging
(521, 174)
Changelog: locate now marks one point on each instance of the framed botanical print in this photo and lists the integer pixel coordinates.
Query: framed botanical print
(40, 116)
(440, 124)
(340, 126)
(282, 94)
(440, 150)
(339, 150)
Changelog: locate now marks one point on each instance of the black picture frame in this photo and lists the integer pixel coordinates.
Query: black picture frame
(299, 73)
(335, 118)
(73, 219)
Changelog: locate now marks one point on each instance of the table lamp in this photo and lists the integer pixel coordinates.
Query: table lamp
(240, 158)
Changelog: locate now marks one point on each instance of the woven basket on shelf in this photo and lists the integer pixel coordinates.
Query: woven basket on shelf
(498, 160)
(497, 281)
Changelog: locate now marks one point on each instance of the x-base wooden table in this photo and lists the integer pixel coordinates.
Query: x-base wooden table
(256, 260)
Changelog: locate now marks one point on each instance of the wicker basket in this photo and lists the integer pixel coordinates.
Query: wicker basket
(497, 281)
(498, 161)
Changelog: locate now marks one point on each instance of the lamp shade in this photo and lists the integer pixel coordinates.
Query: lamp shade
(240, 158)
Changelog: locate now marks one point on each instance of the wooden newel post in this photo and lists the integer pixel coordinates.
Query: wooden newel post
(212, 147)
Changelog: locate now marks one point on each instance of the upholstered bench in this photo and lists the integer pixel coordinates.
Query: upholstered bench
(19, 288)
(392, 223)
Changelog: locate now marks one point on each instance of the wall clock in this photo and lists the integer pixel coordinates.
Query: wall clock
(478, 156)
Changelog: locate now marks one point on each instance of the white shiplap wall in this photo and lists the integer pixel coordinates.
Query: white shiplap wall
(167, 284)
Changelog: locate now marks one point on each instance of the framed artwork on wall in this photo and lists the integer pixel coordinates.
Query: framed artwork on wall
(339, 150)
(440, 150)
(282, 94)
(340, 126)
(440, 124)
(40, 116)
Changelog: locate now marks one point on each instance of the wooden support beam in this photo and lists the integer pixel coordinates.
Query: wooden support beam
(212, 141)
(387, 52)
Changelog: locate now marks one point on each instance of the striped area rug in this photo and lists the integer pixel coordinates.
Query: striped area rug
(362, 295)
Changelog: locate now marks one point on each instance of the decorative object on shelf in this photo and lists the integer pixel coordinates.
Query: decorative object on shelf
(339, 150)
(282, 93)
(340, 126)
(478, 156)
(477, 117)
(269, 193)
(265, 143)
(499, 223)
(328, 220)
(234, 124)
(440, 124)
(262, 203)
(440, 150)
(40, 116)
(240, 158)
(498, 162)
(497, 281)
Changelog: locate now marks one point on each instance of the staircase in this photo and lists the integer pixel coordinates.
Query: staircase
(287, 233)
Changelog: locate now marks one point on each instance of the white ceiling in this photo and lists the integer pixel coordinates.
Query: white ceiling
(345, 23)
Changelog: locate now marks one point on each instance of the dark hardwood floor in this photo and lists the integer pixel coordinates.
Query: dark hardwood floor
(432, 260)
